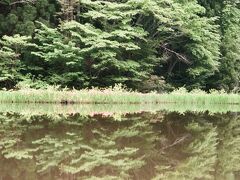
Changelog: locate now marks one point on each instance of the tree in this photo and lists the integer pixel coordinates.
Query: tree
(19, 16)
(168, 43)
(187, 41)
(104, 51)
(11, 48)
(230, 62)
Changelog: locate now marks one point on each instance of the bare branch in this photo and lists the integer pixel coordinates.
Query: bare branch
(180, 57)
(21, 2)
(170, 69)
(178, 141)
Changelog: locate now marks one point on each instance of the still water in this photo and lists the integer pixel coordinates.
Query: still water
(128, 145)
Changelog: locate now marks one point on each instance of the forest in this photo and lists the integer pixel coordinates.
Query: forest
(143, 44)
(120, 89)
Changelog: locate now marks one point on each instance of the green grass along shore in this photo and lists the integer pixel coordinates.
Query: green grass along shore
(114, 110)
(116, 96)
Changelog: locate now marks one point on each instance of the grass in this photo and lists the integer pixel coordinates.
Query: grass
(116, 95)
(113, 109)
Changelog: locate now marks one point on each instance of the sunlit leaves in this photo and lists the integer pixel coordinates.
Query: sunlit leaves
(11, 48)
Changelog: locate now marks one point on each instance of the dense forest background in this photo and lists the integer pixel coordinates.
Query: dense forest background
(143, 44)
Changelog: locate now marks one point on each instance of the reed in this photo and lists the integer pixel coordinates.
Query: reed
(116, 96)
(113, 109)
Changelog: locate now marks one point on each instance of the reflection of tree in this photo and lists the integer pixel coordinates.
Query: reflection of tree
(100, 148)
(11, 146)
(200, 155)
(187, 146)
(229, 148)
(11, 136)
(104, 147)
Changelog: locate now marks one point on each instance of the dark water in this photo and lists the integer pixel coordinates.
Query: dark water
(160, 145)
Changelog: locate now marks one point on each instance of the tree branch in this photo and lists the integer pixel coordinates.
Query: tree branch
(180, 57)
(19, 2)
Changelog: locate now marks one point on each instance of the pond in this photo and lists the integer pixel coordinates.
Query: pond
(96, 142)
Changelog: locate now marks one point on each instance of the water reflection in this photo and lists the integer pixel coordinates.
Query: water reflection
(160, 145)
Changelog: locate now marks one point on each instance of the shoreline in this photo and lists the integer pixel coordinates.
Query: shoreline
(111, 96)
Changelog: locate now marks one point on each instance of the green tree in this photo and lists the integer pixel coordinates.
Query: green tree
(100, 43)
(186, 40)
(228, 14)
(11, 48)
(18, 17)
(230, 62)
(104, 50)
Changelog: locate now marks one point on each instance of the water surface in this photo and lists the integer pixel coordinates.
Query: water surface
(102, 144)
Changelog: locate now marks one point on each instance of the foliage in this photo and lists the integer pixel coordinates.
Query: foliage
(229, 73)
(18, 17)
(228, 15)
(96, 55)
(11, 48)
(61, 58)
(185, 38)
(146, 45)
